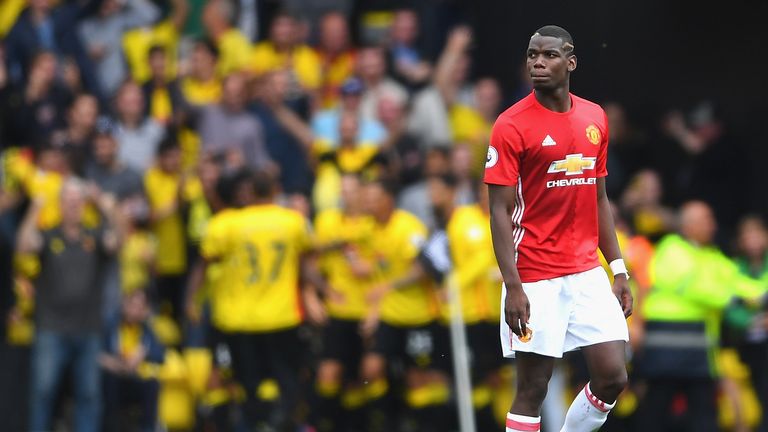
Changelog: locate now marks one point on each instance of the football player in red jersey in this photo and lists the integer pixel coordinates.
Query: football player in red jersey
(549, 214)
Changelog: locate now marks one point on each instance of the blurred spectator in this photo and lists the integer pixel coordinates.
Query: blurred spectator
(408, 63)
(165, 187)
(400, 146)
(471, 124)
(642, 204)
(162, 96)
(693, 283)
(337, 57)
(462, 166)
(202, 86)
(137, 135)
(45, 27)
(752, 249)
(325, 123)
(130, 357)
(76, 140)
(102, 35)
(139, 248)
(228, 129)
(106, 170)
(350, 157)
(430, 117)
(372, 70)
(68, 307)
(234, 47)
(415, 198)
(285, 50)
(288, 152)
(44, 184)
(38, 106)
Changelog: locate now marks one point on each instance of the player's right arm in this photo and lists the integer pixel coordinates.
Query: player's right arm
(517, 310)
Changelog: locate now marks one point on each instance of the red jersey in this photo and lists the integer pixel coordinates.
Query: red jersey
(554, 159)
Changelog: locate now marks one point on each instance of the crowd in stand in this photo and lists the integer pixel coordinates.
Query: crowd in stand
(213, 217)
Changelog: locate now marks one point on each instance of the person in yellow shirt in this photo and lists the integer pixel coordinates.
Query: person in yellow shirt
(337, 58)
(256, 303)
(162, 95)
(401, 323)
(351, 156)
(344, 236)
(202, 86)
(234, 47)
(476, 274)
(284, 50)
(164, 185)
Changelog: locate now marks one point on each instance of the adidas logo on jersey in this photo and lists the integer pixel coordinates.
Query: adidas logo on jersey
(548, 141)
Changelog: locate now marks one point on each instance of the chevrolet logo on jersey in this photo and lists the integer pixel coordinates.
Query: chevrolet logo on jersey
(573, 164)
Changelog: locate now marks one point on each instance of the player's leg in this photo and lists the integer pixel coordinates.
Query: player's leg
(702, 404)
(328, 381)
(608, 377)
(533, 374)
(286, 357)
(597, 326)
(386, 344)
(653, 413)
(485, 362)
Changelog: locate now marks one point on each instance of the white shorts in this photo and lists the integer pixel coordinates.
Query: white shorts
(567, 313)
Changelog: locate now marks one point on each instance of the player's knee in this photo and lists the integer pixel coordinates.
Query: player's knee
(532, 390)
(328, 382)
(373, 367)
(608, 386)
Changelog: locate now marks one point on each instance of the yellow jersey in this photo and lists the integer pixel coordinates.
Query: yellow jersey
(333, 162)
(136, 45)
(334, 72)
(234, 52)
(162, 191)
(259, 248)
(396, 245)
(332, 226)
(201, 92)
(137, 252)
(474, 264)
(303, 62)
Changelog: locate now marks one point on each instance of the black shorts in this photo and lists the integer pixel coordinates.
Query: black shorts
(342, 342)
(254, 357)
(484, 349)
(424, 346)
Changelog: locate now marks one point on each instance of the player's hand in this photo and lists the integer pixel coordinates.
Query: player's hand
(623, 294)
(377, 293)
(517, 310)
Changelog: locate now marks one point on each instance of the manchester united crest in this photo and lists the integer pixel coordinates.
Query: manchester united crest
(593, 134)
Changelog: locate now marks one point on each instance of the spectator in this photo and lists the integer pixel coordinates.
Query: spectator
(408, 64)
(76, 140)
(284, 50)
(37, 108)
(165, 187)
(337, 57)
(693, 283)
(752, 248)
(400, 146)
(415, 198)
(162, 96)
(44, 183)
(107, 171)
(129, 357)
(139, 248)
(325, 123)
(228, 129)
(629, 151)
(102, 35)
(642, 203)
(43, 27)
(284, 148)
(351, 157)
(202, 86)
(137, 135)
(372, 69)
(68, 307)
(234, 47)
(462, 169)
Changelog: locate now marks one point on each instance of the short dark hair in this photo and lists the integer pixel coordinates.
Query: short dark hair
(560, 33)
(155, 49)
(228, 184)
(208, 45)
(168, 144)
(263, 184)
(389, 186)
(447, 179)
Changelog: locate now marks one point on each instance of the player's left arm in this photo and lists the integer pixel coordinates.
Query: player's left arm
(609, 245)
